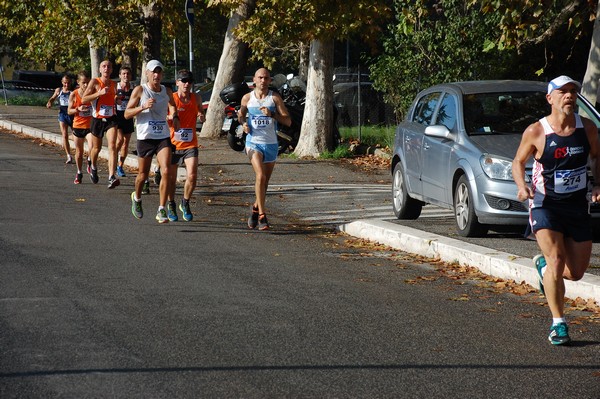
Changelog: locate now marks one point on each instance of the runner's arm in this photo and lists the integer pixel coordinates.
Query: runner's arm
(201, 114)
(133, 106)
(72, 110)
(282, 115)
(51, 100)
(243, 113)
(90, 94)
(173, 115)
(526, 149)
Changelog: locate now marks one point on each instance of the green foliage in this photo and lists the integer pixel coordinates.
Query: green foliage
(370, 135)
(56, 33)
(300, 21)
(37, 99)
(340, 152)
(524, 21)
(429, 45)
(552, 37)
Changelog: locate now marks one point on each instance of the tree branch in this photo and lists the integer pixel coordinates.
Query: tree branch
(565, 14)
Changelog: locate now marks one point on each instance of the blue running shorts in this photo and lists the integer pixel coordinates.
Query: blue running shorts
(268, 151)
(64, 117)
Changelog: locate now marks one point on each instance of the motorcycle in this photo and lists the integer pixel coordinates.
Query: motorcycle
(293, 92)
(232, 97)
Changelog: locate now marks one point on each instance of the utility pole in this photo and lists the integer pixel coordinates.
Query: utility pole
(189, 13)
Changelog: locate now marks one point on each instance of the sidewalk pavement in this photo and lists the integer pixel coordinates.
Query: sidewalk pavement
(41, 123)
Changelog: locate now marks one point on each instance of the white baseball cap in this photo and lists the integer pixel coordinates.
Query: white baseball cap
(559, 82)
(153, 64)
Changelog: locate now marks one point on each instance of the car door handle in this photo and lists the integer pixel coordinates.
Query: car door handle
(426, 146)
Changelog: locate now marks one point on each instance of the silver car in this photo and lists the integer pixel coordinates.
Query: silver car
(455, 149)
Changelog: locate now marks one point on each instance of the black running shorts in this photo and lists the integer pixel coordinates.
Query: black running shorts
(126, 125)
(101, 125)
(81, 133)
(150, 147)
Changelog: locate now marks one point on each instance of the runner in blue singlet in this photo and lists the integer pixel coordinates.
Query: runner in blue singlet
(64, 119)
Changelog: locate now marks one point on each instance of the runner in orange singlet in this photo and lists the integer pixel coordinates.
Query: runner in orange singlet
(82, 120)
(101, 93)
(185, 143)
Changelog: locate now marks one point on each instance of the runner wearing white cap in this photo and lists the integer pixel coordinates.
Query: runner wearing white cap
(151, 104)
(562, 144)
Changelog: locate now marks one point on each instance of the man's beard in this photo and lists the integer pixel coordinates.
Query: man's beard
(568, 110)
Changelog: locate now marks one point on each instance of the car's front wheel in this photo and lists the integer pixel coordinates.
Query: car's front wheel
(405, 207)
(464, 212)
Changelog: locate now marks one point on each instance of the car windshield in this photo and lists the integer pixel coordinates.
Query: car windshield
(501, 113)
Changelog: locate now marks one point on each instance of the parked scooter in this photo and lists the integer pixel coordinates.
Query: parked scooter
(232, 97)
(293, 92)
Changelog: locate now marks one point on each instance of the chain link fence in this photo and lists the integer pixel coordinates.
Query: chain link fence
(362, 114)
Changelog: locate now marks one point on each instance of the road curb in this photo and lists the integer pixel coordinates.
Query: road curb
(130, 161)
(494, 263)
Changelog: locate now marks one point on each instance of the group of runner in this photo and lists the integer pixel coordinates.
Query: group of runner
(165, 125)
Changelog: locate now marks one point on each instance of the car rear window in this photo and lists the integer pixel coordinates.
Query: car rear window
(501, 113)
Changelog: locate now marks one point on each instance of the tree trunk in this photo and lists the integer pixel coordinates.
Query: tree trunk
(316, 134)
(151, 37)
(95, 57)
(303, 64)
(232, 66)
(591, 85)
(130, 56)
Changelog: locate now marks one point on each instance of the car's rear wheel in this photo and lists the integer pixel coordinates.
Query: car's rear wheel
(405, 207)
(464, 212)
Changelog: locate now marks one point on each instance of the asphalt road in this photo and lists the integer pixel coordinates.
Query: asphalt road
(96, 304)
(337, 195)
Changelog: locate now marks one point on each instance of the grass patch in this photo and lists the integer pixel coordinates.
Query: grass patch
(370, 135)
(339, 153)
(288, 155)
(36, 100)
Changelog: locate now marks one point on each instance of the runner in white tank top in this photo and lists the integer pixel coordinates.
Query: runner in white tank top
(263, 129)
(150, 104)
(151, 123)
(259, 114)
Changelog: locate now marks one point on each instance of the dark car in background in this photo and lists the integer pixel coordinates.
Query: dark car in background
(205, 91)
(41, 79)
(12, 89)
(455, 150)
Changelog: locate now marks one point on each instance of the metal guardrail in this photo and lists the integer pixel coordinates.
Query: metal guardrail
(12, 86)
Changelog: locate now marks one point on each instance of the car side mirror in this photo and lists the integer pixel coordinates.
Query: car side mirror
(439, 131)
